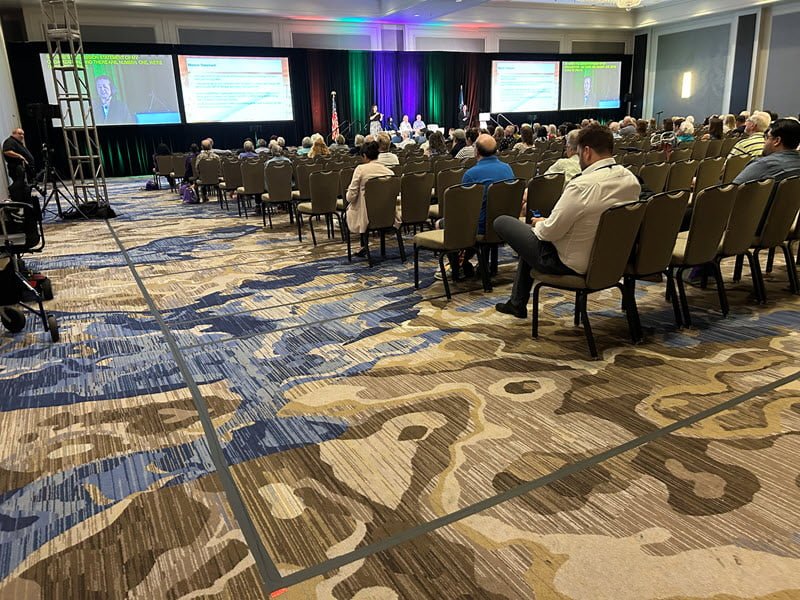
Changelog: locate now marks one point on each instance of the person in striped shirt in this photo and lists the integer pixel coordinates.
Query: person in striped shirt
(754, 128)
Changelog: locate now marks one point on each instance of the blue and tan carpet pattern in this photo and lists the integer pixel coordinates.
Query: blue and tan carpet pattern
(346, 408)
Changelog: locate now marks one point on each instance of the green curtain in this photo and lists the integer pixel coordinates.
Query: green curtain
(435, 68)
(360, 67)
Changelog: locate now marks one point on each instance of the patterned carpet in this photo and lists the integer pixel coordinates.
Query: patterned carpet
(372, 441)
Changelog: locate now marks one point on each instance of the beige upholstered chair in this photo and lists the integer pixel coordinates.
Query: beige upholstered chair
(278, 176)
(655, 176)
(681, 175)
(324, 186)
(380, 200)
(544, 192)
(503, 198)
(415, 198)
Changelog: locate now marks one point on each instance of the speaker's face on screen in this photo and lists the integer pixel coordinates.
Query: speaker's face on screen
(587, 85)
(104, 92)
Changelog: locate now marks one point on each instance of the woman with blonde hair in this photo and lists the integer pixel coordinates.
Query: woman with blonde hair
(320, 148)
(728, 123)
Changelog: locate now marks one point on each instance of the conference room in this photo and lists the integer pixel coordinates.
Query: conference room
(408, 299)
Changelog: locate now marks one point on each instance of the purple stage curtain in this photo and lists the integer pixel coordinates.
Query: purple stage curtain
(384, 79)
(410, 68)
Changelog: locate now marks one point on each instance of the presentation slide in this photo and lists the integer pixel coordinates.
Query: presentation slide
(224, 89)
(126, 89)
(524, 86)
(590, 84)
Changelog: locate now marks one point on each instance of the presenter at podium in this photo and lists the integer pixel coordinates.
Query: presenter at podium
(375, 119)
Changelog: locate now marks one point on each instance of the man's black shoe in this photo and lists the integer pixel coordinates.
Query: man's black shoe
(509, 309)
(362, 251)
(468, 269)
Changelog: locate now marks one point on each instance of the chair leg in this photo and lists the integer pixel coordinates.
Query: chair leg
(673, 296)
(587, 328)
(299, 220)
(535, 311)
(264, 211)
(444, 275)
(687, 318)
(416, 267)
(791, 268)
(400, 246)
(311, 227)
(723, 297)
(770, 260)
(737, 270)
(577, 318)
(628, 291)
(365, 243)
(349, 247)
(484, 256)
(383, 243)
(495, 253)
(762, 284)
(757, 283)
(341, 225)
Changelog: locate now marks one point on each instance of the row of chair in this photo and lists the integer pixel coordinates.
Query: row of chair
(690, 174)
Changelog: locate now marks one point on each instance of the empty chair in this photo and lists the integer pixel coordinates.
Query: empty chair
(681, 175)
(468, 163)
(680, 154)
(748, 211)
(231, 178)
(164, 168)
(654, 157)
(415, 198)
(444, 180)
(727, 145)
(633, 158)
(278, 176)
(733, 166)
(345, 177)
(710, 212)
(699, 150)
(655, 242)
(524, 169)
(543, 165)
(543, 193)
(444, 163)
(714, 149)
(179, 166)
(776, 232)
(655, 176)
(612, 247)
(380, 200)
(503, 198)
(417, 166)
(324, 188)
(460, 231)
(252, 184)
(709, 173)
(397, 169)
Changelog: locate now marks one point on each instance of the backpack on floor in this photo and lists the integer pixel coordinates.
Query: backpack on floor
(188, 195)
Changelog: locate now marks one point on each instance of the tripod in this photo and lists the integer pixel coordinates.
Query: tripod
(48, 176)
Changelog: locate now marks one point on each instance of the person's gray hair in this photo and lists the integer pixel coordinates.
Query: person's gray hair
(572, 139)
(460, 134)
(281, 142)
(248, 146)
(275, 149)
(206, 145)
(306, 143)
(359, 140)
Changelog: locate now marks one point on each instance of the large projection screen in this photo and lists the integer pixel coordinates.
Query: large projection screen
(590, 84)
(225, 89)
(524, 86)
(126, 89)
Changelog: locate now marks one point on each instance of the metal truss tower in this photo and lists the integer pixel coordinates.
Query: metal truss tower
(70, 78)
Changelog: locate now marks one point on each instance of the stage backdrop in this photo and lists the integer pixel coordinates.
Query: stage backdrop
(400, 83)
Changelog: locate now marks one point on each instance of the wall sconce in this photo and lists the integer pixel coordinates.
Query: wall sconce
(686, 85)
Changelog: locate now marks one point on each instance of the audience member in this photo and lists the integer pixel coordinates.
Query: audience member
(641, 128)
(468, 151)
(339, 143)
(385, 157)
(570, 166)
(562, 243)
(509, 139)
(627, 127)
(715, 129)
(261, 146)
(755, 126)
(741, 124)
(358, 141)
(406, 139)
(780, 158)
(459, 142)
(685, 132)
(305, 148)
(319, 148)
(357, 218)
(728, 124)
(436, 145)
(248, 150)
(526, 139)
(188, 173)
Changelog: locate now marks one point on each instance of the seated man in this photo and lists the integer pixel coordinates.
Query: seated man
(405, 140)
(754, 128)
(561, 243)
(385, 157)
(570, 166)
(357, 217)
(780, 158)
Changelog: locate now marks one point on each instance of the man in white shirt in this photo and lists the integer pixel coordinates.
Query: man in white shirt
(562, 243)
(386, 158)
(405, 140)
(570, 166)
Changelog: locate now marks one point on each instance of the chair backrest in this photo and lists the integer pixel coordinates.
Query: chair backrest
(303, 172)
(442, 163)
(461, 225)
(714, 148)
(504, 198)
(727, 145)
(681, 175)
(179, 164)
(699, 149)
(468, 163)
(543, 165)
(447, 178)
(655, 176)
(345, 178)
(252, 176)
(613, 243)
(164, 164)
(733, 166)
(415, 196)
(544, 191)
(655, 156)
(680, 154)
(524, 169)
(232, 174)
(397, 169)
(748, 209)
(208, 171)
(710, 213)
(279, 181)
(324, 188)
(708, 173)
(658, 231)
(633, 158)
(781, 214)
(417, 166)
(380, 198)
(551, 154)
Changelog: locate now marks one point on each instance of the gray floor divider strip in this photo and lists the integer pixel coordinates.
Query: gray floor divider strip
(425, 528)
(266, 567)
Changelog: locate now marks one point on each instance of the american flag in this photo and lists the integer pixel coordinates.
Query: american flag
(334, 116)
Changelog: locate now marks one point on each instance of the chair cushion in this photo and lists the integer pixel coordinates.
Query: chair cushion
(567, 281)
(295, 195)
(430, 239)
(433, 212)
(223, 185)
(240, 190)
(304, 207)
(339, 204)
(679, 251)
